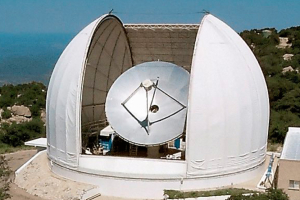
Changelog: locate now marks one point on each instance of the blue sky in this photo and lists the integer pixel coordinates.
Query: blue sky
(70, 16)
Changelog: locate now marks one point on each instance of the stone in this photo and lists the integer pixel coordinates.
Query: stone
(43, 115)
(287, 69)
(287, 56)
(18, 119)
(283, 43)
(21, 111)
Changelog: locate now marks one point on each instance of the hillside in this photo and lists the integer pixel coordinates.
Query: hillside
(22, 109)
(279, 56)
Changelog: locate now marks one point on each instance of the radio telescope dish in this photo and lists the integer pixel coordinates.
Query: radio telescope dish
(147, 104)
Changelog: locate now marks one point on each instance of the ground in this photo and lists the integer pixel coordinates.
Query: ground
(16, 160)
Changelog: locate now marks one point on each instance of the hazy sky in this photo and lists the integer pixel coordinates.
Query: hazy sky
(70, 16)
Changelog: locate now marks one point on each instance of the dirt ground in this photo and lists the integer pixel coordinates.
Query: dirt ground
(16, 160)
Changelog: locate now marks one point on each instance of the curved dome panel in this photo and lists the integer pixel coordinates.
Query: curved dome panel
(228, 104)
(80, 62)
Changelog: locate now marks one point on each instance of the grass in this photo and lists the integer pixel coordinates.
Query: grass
(175, 194)
(5, 148)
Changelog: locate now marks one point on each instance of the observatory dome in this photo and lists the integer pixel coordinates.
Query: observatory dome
(225, 125)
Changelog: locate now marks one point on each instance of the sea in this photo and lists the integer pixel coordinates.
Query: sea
(30, 57)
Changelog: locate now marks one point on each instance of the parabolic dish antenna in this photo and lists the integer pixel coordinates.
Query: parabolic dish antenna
(147, 104)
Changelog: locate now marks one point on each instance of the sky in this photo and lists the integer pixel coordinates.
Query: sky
(70, 16)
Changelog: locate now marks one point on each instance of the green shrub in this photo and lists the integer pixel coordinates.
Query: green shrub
(16, 134)
(279, 123)
(23, 94)
(175, 194)
(6, 114)
(271, 194)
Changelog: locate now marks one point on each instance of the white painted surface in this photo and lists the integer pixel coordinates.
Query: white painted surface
(40, 142)
(291, 146)
(74, 87)
(63, 104)
(143, 188)
(107, 131)
(132, 167)
(228, 115)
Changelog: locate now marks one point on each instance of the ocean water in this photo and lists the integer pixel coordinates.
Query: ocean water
(30, 57)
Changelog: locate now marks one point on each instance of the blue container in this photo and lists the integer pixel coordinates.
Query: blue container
(106, 143)
(177, 143)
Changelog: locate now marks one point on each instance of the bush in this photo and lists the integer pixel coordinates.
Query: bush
(16, 134)
(23, 94)
(6, 114)
(175, 194)
(279, 123)
(290, 102)
(271, 194)
(35, 110)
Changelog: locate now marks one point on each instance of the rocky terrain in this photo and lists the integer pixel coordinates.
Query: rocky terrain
(20, 114)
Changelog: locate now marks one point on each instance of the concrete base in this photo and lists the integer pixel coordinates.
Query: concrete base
(144, 188)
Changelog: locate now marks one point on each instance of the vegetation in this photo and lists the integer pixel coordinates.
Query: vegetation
(32, 95)
(271, 194)
(235, 194)
(4, 178)
(16, 134)
(5, 148)
(175, 194)
(6, 114)
(284, 88)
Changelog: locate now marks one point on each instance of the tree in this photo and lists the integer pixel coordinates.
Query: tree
(16, 134)
(279, 123)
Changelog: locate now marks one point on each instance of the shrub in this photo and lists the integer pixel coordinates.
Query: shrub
(6, 114)
(271, 194)
(16, 134)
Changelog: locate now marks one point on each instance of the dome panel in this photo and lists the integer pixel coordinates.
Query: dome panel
(228, 104)
(65, 93)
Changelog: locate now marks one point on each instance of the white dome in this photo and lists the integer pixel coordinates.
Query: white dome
(228, 109)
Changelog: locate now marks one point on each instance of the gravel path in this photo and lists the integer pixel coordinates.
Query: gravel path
(16, 160)
(37, 179)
